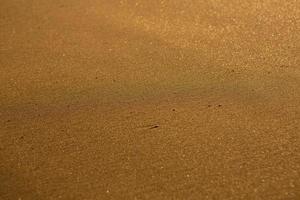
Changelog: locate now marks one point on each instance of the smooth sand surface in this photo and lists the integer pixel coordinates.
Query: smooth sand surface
(160, 99)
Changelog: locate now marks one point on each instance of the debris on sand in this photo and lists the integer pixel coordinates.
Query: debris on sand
(153, 127)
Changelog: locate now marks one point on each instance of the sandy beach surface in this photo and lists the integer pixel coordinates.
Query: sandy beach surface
(140, 99)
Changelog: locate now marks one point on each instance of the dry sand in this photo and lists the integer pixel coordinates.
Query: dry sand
(161, 99)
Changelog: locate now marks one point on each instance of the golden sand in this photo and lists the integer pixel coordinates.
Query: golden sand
(140, 99)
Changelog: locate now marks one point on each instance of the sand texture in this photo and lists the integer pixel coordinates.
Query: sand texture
(140, 99)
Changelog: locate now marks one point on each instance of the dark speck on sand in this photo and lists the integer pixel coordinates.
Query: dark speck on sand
(153, 127)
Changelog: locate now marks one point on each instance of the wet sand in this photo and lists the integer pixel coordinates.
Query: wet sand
(149, 99)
